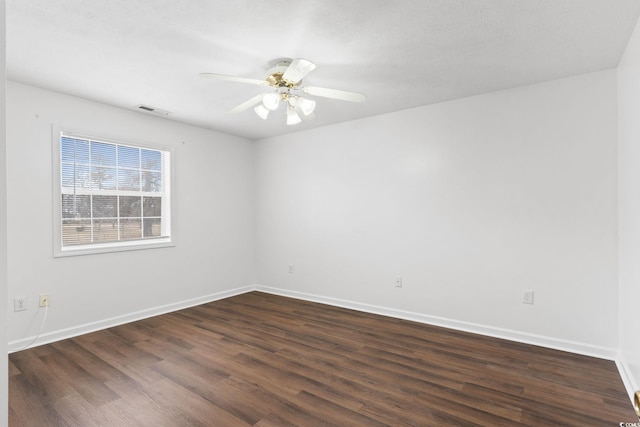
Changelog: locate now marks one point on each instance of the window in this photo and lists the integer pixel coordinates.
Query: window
(112, 196)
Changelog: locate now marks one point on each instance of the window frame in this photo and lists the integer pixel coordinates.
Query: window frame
(126, 245)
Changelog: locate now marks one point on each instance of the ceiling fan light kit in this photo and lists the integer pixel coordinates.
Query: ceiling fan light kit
(271, 101)
(306, 105)
(292, 117)
(262, 112)
(286, 77)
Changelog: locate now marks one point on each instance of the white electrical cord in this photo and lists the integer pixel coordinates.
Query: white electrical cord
(44, 319)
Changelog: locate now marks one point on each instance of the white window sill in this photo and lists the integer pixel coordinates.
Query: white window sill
(113, 247)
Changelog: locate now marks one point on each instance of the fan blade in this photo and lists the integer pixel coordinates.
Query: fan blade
(247, 104)
(298, 69)
(334, 93)
(234, 79)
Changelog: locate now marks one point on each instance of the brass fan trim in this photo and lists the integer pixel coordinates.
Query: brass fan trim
(276, 80)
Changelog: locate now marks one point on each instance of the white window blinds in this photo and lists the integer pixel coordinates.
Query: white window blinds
(112, 192)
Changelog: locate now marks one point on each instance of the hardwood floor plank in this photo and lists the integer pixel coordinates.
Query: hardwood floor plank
(87, 361)
(38, 379)
(133, 364)
(30, 406)
(77, 411)
(239, 399)
(190, 407)
(264, 360)
(91, 389)
(138, 407)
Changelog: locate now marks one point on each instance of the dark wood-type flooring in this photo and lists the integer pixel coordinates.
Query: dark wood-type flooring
(264, 360)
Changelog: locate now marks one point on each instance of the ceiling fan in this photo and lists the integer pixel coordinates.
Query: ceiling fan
(285, 78)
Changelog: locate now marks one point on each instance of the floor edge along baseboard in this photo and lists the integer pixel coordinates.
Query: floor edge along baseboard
(512, 335)
(62, 334)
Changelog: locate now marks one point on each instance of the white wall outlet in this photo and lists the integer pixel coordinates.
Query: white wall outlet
(291, 268)
(398, 282)
(44, 300)
(19, 303)
(527, 296)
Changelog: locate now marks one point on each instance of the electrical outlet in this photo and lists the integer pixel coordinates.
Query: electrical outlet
(44, 300)
(527, 296)
(291, 268)
(398, 283)
(19, 303)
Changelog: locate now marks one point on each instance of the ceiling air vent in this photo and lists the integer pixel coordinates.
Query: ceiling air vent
(153, 110)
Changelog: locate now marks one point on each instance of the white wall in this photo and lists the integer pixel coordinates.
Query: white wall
(629, 137)
(213, 195)
(4, 390)
(470, 201)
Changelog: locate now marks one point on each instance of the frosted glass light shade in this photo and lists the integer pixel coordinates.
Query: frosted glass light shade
(271, 101)
(306, 106)
(261, 111)
(292, 117)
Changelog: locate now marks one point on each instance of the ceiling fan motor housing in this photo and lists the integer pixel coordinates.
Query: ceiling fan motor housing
(276, 73)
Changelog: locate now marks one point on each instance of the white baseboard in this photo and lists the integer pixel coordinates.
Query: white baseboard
(539, 340)
(62, 334)
(630, 383)
(508, 334)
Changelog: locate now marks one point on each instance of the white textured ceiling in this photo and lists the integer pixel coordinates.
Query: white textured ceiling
(401, 54)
